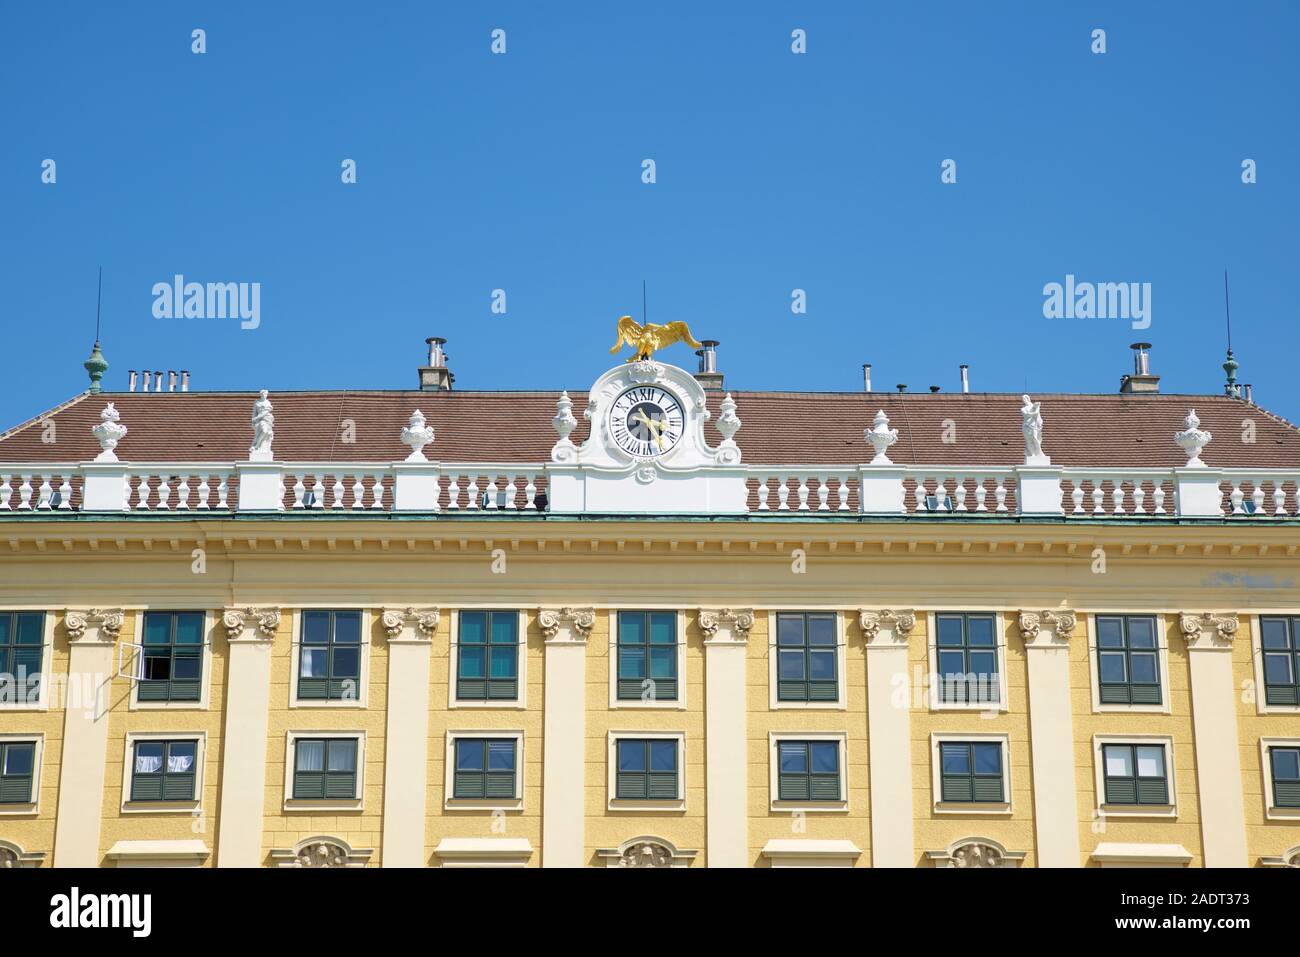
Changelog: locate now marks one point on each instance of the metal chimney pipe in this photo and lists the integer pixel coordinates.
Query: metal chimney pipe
(934, 388)
(157, 380)
(1250, 393)
(965, 377)
(171, 380)
(148, 377)
(131, 387)
(708, 355)
(185, 380)
(902, 387)
(1141, 361)
(437, 358)
(866, 376)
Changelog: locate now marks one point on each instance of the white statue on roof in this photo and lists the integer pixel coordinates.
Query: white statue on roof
(263, 431)
(1032, 426)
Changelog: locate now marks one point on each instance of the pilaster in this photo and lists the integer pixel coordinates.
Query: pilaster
(406, 763)
(565, 631)
(890, 738)
(726, 654)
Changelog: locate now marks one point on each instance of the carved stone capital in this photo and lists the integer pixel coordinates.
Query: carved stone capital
(1047, 629)
(740, 620)
(896, 624)
(425, 621)
(581, 620)
(1206, 631)
(235, 619)
(94, 625)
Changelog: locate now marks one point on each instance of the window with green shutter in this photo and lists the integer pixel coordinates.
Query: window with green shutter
(488, 650)
(1135, 774)
(647, 655)
(1128, 663)
(485, 768)
(1280, 646)
(325, 768)
(17, 771)
(163, 770)
(806, 657)
(22, 649)
(967, 651)
(971, 772)
(1284, 764)
(171, 666)
(808, 771)
(647, 769)
(329, 660)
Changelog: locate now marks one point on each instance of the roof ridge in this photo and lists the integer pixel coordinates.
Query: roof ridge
(43, 415)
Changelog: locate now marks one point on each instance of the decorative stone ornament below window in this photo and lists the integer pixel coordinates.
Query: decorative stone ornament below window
(234, 620)
(322, 852)
(13, 856)
(1208, 631)
(582, 621)
(976, 852)
(646, 851)
(95, 621)
(425, 621)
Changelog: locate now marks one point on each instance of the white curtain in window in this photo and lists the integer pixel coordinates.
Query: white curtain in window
(180, 763)
(147, 763)
(311, 756)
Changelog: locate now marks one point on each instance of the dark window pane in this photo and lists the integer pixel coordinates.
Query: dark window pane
(5, 626)
(790, 665)
(341, 756)
(1286, 764)
(663, 628)
(952, 663)
(314, 663)
(315, 627)
(1273, 631)
(469, 755)
(822, 665)
(30, 627)
(473, 627)
(503, 662)
(505, 627)
(501, 756)
(473, 662)
(980, 631)
(347, 662)
(157, 628)
(663, 755)
(1110, 632)
(186, 667)
(663, 662)
(983, 662)
(825, 756)
(631, 756)
(1277, 669)
(1144, 668)
(347, 627)
(794, 758)
(988, 758)
(631, 628)
(821, 630)
(19, 758)
(956, 758)
(189, 628)
(1141, 633)
(1112, 667)
(949, 630)
(789, 630)
(631, 663)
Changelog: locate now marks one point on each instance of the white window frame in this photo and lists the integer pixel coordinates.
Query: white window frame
(367, 626)
(323, 804)
(521, 663)
(1094, 663)
(1100, 809)
(1271, 811)
(205, 680)
(33, 807)
(638, 704)
(1257, 654)
(164, 807)
(774, 738)
(841, 691)
(450, 803)
(650, 804)
(980, 808)
(42, 702)
(935, 680)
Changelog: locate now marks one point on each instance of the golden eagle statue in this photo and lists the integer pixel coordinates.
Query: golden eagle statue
(646, 339)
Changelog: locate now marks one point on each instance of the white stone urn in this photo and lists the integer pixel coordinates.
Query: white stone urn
(1193, 439)
(108, 433)
(880, 437)
(417, 435)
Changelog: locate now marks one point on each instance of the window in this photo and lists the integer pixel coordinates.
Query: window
(1135, 774)
(808, 771)
(324, 768)
(647, 655)
(1128, 666)
(485, 768)
(171, 665)
(807, 652)
(17, 770)
(1284, 767)
(164, 770)
(967, 657)
(329, 666)
(1280, 641)
(647, 769)
(971, 772)
(22, 649)
(488, 660)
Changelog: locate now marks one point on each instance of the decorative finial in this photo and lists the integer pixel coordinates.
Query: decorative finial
(1230, 367)
(263, 431)
(417, 435)
(564, 422)
(880, 437)
(1032, 426)
(728, 424)
(1193, 439)
(96, 365)
(108, 433)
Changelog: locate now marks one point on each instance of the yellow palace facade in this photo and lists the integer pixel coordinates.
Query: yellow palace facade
(655, 624)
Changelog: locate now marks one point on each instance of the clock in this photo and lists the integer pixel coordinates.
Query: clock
(646, 421)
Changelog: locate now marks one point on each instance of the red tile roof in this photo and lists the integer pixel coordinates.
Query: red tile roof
(780, 428)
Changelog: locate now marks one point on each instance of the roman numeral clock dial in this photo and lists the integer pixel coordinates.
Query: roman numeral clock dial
(646, 421)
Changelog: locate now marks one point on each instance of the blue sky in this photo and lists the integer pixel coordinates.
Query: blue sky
(775, 172)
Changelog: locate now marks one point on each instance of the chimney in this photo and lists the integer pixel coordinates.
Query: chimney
(866, 376)
(1250, 393)
(902, 387)
(148, 377)
(157, 380)
(965, 377)
(436, 377)
(185, 380)
(934, 389)
(132, 373)
(171, 381)
(709, 376)
(1141, 381)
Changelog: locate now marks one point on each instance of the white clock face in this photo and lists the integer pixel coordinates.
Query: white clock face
(646, 421)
